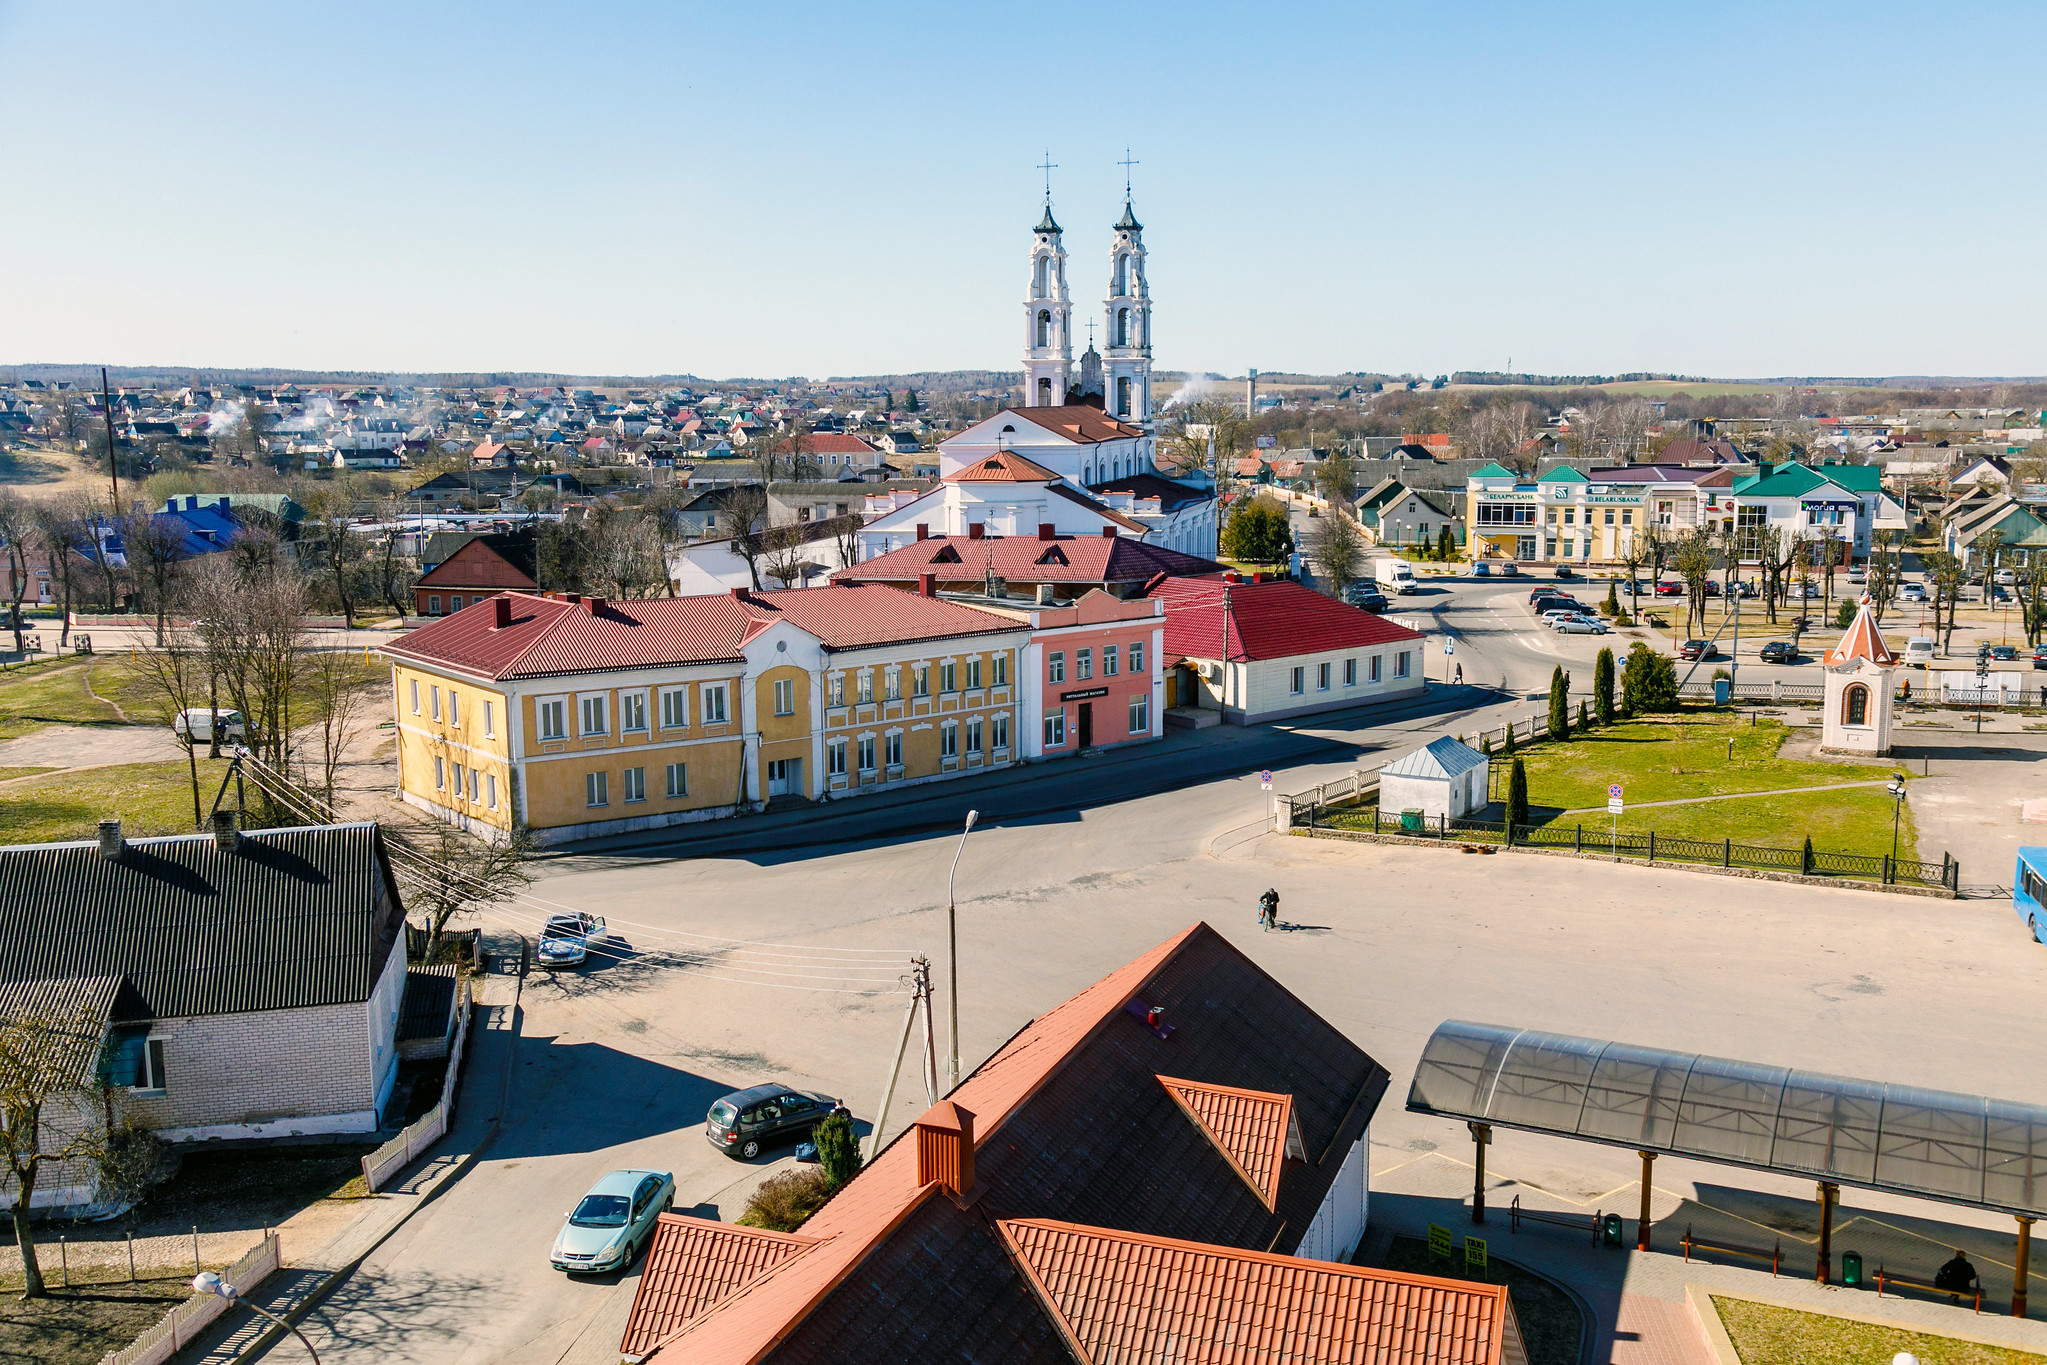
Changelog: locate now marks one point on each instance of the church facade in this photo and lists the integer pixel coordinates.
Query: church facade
(1118, 383)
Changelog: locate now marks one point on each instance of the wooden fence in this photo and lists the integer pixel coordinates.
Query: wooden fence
(380, 1166)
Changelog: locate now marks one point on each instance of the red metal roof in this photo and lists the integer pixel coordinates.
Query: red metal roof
(1004, 466)
(693, 1263)
(832, 443)
(958, 560)
(1266, 620)
(477, 565)
(1077, 422)
(1249, 1127)
(552, 636)
(1122, 1296)
(1863, 641)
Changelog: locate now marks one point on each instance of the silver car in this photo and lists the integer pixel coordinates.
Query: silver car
(565, 939)
(613, 1222)
(1581, 625)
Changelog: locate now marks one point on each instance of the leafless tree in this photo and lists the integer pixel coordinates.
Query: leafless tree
(625, 552)
(334, 684)
(49, 1100)
(747, 506)
(1631, 422)
(1777, 552)
(155, 547)
(1338, 550)
(175, 670)
(846, 531)
(17, 542)
(252, 627)
(341, 552)
(449, 875)
(1693, 560)
(391, 574)
(785, 553)
(1884, 553)
(57, 534)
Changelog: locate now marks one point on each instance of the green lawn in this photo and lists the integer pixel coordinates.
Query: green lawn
(1766, 1335)
(54, 692)
(148, 798)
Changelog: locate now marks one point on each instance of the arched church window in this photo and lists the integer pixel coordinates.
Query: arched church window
(1123, 397)
(1044, 327)
(1122, 274)
(1044, 393)
(1038, 279)
(1855, 704)
(1123, 327)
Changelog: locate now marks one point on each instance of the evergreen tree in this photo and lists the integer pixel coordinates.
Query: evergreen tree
(838, 1150)
(1508, 747)
(1602, 687)
(1446, 545)
(1559, 704)
(1612, 605)
(1485, 745)
(1584, 717)
(1517, 799)
(910, 401)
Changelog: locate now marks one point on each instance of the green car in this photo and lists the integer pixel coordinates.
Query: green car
(613, 1222)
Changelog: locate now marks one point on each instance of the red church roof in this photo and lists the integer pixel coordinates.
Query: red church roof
(1266, 620)
(1863, 641)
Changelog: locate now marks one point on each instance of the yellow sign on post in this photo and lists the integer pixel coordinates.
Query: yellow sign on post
(1439, 1242)
(1474, 1255)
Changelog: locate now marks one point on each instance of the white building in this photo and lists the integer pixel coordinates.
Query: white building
(1443, 778)
(1857, 714)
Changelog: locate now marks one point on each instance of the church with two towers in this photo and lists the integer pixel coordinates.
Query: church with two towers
(1118, 381)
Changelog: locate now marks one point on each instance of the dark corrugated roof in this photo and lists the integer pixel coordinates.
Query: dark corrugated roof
(291, 918)
(429, 1002)
(82, 1001)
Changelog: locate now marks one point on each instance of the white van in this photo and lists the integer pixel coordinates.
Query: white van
(1918, 651)
(1398, 575)
(198, 722)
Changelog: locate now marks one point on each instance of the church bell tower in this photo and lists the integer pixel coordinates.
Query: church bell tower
(1048, 316)
(1127, 358)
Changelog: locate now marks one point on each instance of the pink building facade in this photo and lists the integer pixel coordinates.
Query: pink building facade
(1093, 675)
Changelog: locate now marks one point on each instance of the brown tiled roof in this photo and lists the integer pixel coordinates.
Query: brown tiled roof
(1863, 641)
(693, 1263)
(491, 561)
(961, 560)
(553, 636)
(1004, 466)
(1122, 1296)
(1253, 1128)
(901, 1271)
(1077, 422)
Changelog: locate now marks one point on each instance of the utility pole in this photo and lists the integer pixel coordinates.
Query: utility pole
(920, 998)
(113, 465)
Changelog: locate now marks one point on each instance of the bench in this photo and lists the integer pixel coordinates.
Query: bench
(1886, 1280)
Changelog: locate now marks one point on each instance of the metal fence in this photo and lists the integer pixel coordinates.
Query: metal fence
(179, 1326)
(1310, 813)
(380, 1166)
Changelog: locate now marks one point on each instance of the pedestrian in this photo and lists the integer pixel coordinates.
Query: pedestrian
(1268, 909)
(1460, 675)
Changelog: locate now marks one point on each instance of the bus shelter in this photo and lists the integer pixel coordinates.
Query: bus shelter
(1933, 1144)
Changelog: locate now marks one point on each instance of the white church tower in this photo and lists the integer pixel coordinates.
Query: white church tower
(1127, 359)
(1048, 318)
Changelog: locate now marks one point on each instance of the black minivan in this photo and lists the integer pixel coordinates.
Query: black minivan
(747, 1120)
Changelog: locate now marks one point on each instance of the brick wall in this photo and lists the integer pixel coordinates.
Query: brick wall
(264, 1069)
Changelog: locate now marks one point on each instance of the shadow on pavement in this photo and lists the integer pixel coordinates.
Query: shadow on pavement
(619, 1098)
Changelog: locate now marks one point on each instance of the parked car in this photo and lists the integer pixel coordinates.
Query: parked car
(1919, 651)
(613, 1222)
(1913, 592)
(2004, 654)
(1698, 649)
(1581, 625)
(2006, 576)
(2040, 657)
(1556, 614)
(745, 1121)
(1565, 571)
(1508, 569)
(198, 721)
(1858, 574)
(1367, 601)
(1780, 652)
(1481, 569)
(565, 939)
(1666, 588)
(1712, 587)
(1805, 590)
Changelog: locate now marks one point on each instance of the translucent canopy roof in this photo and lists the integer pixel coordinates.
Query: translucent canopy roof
(1965, 1149)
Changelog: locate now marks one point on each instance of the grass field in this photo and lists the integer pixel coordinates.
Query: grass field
(61, 691)
(1766, 1335)
(148, 798)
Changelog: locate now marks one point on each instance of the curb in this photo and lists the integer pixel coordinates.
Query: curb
(275, 1332)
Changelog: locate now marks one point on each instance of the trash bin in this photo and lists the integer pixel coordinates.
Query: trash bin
(1610, 1230)
(1851, 1269)
(1411, 821)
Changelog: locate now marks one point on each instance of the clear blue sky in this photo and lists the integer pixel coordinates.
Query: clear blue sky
(1726, 189)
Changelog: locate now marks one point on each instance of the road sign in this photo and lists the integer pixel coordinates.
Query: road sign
(1613, 791)
(1265, 779)
(1474, 1255)
(1613, 805)
(1449, 646)
(1439, 1241)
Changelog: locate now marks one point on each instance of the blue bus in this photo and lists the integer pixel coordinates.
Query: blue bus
(2029, 891)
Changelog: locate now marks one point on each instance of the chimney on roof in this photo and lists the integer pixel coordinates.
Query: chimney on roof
(1229, 578)
(1108, 533)
(976, 529)
(1046, 530)
(923, 530)
(739, 594)
(594, 605)
(572, 597)
(927, 585)
(500, 612)
(226, 837)
(1045, 595)
(111, 843)
(945, 1149)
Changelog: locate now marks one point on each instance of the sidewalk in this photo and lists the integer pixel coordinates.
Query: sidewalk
(297, 1289)
(1638, 1299)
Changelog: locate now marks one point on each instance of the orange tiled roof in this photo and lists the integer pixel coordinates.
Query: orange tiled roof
(1124, 1296)
(1078, 422)
(1254, 1130)
(1863, 641)
(693, 1263)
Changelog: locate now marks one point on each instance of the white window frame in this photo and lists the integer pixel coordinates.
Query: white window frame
(1402, 663)
(585, 701)
(1084, 664)
(1136, 653)
(490, 791)
(632, 706)
(440, 773)
(490, 720)
(1324, 671)
(678, 781)
(866, 753)
(1055, 666)
(435, 694)
(712, 703)
(785, 696)
(1055, 729)
(974, 735)
(1110, 660)
(1372, 674)
(974, 674)
(1297, 681)
(596, 789)
(835, 758)
(1140, 714)
(866, 693)
(635, 784)
(415, 696)
(949, 739)
(1001, 735)
(1350, 672)
(1000, 670)
(454, 707)
(675, 708)
(556, 707)
(892, 749)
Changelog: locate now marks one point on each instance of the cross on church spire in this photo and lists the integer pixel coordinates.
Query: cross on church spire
(1048, 165)
(1126, 163)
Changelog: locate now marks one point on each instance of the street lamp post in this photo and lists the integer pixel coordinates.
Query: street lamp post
(210, 1283)
(952, 938)
(1897, 791)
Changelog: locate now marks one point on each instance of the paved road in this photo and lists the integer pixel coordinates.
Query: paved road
(618, 1062)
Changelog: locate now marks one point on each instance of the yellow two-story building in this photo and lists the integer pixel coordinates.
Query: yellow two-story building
(575, 717)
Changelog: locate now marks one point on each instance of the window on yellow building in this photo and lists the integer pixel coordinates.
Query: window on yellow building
(949, 740)
(1002, 670)
(458, 781)
(678, 780)
(867, 753)
(490, 724)
(948, 677)
(550, 714)
(596, 789)
(632, 711)
(440, 775)
(893, 689)
(635, 784)
(454, 707)
(1001, 735)
(593, 717)
(675, 708)
(435, 694)
(714, 705)
(415, 696)
(835, 758)
(893, 748)
(974, 737)
(866, 687)
(785, 696)
(836, 694)
(490, 790)
(974, 673)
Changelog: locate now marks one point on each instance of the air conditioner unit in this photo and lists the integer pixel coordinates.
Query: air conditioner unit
(1212, 672)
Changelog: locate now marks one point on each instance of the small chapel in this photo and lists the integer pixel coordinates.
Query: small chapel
(1857, 715)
